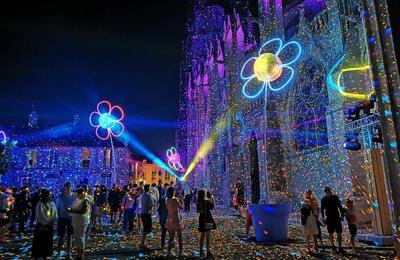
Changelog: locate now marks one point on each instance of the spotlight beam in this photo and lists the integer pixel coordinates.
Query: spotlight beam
(135, 144)
(205, 147)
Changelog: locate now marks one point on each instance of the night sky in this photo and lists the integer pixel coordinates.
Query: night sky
(67, 57)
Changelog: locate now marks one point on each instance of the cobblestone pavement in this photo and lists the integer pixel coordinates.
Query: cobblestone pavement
(228, 242)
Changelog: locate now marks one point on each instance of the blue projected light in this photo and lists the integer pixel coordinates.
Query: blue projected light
(106, 120)
(135, 144)
(268, 68)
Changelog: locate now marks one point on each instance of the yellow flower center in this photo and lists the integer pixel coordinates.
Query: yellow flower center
(267, 67)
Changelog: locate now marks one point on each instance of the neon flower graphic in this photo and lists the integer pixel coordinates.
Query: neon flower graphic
(174, 160)
(271, 68)
(3, 137)
(107, 120)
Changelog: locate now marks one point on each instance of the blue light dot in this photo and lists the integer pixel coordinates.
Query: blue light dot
(388, 113)
(385, 98)
(371, 40)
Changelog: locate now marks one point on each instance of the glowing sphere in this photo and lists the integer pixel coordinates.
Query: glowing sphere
(267, 67)
(106, 121)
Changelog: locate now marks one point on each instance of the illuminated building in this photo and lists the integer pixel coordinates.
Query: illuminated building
(150, 173)
(304, 123)
(50, 154)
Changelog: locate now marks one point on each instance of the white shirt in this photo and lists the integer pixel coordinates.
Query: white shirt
(77, 218)
(46, 213)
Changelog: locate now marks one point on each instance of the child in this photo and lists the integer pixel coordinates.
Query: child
(309, 224)
(351, 217)
(249, 222)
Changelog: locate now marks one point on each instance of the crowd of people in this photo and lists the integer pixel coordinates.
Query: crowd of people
(331, 214)
(77, 213)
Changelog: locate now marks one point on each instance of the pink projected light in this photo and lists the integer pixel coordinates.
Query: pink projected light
(174, 160)
(107, 120)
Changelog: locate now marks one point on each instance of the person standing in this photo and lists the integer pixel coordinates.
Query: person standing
(309, 195)
(163, 213)
(205, 203)
(64, 226)
(156, 197)
(187, 198)
(351, 217)
(22, 206)
(46, 214)
(6, 205)
(174, 220)
(98, 208)
(239, 195)
(34, 200)
(160, 188)
(128, 205)
(80, 221)
(309, 224)
(147, 205)
(113, 200)
(139, 193)
(332, 208)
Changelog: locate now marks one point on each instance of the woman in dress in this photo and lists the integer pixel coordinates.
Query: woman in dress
(80, 221)
(309, 195)
(309, 224)
(174, 221)
(46, 214)
(205, 203)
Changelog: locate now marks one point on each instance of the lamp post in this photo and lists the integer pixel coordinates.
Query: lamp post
(271, 71)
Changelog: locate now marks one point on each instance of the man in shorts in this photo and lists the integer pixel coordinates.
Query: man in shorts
(332, 209)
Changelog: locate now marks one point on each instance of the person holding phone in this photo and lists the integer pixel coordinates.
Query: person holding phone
(205, 203)
(80, 221)
(46, 215)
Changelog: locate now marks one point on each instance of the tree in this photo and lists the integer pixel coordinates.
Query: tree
(6, 160)
(254, 170)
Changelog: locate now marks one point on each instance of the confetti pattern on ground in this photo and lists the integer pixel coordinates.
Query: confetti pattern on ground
(228, 243)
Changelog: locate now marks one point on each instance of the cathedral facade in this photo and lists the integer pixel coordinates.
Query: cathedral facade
(300, 129)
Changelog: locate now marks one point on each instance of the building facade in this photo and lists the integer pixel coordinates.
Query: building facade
(149, 173)
(301, 129)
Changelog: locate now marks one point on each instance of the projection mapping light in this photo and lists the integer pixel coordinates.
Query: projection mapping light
(107, 120)
(3, 137)
(341, 89)
(268, 70)
(174, 160)
(351, 142)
